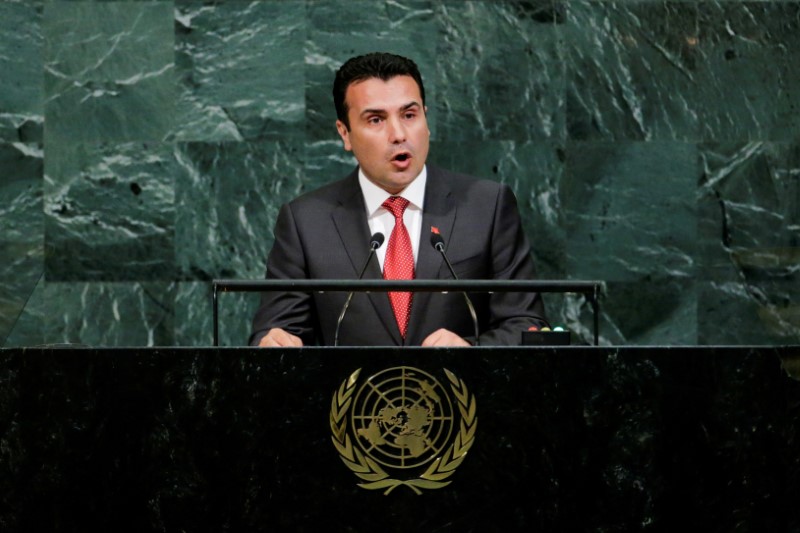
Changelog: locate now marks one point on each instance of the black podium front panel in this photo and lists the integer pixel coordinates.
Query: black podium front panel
(480, 439)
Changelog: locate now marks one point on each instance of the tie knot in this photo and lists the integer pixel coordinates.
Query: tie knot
(395, 205)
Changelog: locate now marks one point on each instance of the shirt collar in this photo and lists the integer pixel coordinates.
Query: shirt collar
(374, 196)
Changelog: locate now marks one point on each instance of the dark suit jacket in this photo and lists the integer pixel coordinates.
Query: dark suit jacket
(324, 235)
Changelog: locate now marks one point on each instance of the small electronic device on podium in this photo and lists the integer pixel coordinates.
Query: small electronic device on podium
(546, 337)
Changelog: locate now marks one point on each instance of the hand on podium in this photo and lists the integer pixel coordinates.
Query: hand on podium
(277, 337)
(444, 337)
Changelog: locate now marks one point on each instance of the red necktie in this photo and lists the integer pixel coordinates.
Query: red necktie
(399, 261)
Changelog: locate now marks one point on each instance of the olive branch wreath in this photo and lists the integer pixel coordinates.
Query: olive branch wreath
(370, 471)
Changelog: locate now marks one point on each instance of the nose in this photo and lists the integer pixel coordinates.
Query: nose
(397, 131)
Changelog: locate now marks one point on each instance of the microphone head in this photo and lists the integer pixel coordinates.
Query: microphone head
(376, 241)
(437, 241)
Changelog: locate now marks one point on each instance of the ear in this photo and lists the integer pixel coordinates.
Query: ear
(344, 134)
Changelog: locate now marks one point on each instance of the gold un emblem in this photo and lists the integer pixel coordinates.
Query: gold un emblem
(400, 427)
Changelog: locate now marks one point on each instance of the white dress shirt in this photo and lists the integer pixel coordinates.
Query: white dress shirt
(381, 220)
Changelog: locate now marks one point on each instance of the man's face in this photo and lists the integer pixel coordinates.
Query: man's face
(388, 130)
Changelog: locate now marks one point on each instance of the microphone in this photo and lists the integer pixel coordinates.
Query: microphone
(438, 242)
(375, 242)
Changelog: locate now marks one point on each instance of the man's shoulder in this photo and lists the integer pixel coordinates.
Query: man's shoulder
(464, 183)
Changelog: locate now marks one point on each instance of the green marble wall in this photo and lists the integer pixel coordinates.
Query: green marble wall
(145, 148)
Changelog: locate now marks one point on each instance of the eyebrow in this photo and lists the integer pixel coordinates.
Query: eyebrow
(383, 111)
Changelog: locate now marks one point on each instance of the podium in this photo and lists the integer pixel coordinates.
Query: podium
(563, 439)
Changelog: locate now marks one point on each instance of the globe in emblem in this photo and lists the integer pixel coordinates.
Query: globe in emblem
(402, 417)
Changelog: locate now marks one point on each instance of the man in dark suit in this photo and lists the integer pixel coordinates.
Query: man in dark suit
(380, 105)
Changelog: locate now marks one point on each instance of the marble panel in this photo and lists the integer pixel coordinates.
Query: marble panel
(21, 230)
(749, 88)
(325, 162)
(749, 212)
(228, 197)
(21, 83)
(632, 70)
(109, 314)
(759, 312)
(109, 71)
(338, 31)
(500, 71)
(651, 312)
(240, 67)
(574, 313)
(28, 329)
(109, 211)
(194, 316)
(629, 210)
(103, 1)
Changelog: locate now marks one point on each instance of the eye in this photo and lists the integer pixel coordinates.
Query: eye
(410, 114)
(374, 120)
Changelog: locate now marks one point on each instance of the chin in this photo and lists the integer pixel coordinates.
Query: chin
(403, 181)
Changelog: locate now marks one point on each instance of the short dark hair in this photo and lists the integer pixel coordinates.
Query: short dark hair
(375, 65)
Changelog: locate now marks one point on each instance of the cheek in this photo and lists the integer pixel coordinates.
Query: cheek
(368, 142)
(425, 132)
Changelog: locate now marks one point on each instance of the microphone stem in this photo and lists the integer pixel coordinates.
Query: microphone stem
(440, 247)
(373, 246)
(341, 317)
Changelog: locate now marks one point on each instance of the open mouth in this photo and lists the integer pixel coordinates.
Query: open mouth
(401, 157)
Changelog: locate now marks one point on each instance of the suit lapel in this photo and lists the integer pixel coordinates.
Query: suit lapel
(351, 223)
(439, 212)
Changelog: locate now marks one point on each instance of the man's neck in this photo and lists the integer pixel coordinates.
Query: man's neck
(374, 196)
